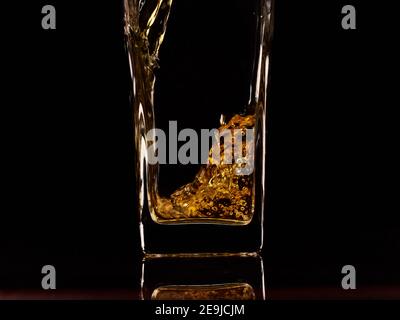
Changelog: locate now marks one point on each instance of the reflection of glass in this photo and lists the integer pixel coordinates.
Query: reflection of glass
(205, 67)
(228, 291)
(207, 278)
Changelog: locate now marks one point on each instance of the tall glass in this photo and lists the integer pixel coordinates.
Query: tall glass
(199, 82)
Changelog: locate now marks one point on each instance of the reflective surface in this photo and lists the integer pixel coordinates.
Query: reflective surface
(211, 278)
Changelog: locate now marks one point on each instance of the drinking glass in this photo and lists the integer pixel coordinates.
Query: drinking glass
(199, 99)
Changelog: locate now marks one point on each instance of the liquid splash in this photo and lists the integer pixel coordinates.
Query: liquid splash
(217, 191)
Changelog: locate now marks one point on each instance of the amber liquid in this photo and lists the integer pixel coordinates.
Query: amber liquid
(217, 194)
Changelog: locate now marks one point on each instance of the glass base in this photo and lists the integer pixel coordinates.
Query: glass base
(201, 239)
(200, 255)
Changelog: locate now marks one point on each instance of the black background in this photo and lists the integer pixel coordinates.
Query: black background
(67, 148)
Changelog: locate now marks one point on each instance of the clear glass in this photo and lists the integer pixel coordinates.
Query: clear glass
(200, 67)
